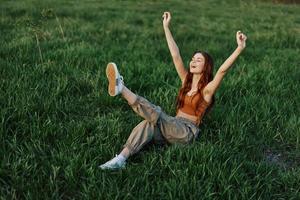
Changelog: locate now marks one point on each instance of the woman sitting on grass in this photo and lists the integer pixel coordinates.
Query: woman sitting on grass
(195, 98)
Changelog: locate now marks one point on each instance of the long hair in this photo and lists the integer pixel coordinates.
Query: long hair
(207, 76)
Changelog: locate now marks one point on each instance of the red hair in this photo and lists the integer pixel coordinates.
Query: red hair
(207, 76)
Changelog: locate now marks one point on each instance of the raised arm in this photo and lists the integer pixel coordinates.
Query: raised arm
(173, 47)
(212, 86)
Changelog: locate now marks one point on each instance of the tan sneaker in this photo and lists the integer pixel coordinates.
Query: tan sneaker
(115, 80)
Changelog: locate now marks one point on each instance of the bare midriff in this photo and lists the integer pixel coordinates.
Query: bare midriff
(187, 116)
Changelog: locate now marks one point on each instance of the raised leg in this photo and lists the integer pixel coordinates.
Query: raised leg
(128, 95)
(142, 106)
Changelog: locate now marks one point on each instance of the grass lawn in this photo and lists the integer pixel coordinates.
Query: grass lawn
(58, 122)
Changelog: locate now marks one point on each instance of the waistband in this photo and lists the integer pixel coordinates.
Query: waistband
(193, 127)
(187, 121)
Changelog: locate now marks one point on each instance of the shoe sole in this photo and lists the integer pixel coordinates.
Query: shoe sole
(111, 72)
(107, 168)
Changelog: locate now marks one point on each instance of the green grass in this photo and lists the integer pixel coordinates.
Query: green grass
(58, 122)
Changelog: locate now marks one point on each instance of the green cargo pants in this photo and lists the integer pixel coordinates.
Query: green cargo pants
(158, 127)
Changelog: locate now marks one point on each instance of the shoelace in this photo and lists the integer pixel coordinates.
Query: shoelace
(120, 80)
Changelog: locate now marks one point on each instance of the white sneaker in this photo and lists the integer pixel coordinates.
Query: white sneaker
(113, 164)
(115, 80)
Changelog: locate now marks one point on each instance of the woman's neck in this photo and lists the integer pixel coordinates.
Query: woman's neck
(196, 78)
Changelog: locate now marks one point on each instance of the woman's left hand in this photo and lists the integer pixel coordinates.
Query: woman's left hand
(241, 39)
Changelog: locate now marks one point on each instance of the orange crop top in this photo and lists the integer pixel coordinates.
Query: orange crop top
(189, 106)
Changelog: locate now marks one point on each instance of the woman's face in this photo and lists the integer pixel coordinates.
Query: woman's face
(197, 63)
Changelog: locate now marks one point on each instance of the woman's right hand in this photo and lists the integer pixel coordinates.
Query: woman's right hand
(166, 19)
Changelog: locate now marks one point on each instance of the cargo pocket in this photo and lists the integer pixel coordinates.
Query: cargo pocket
(193, 131)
